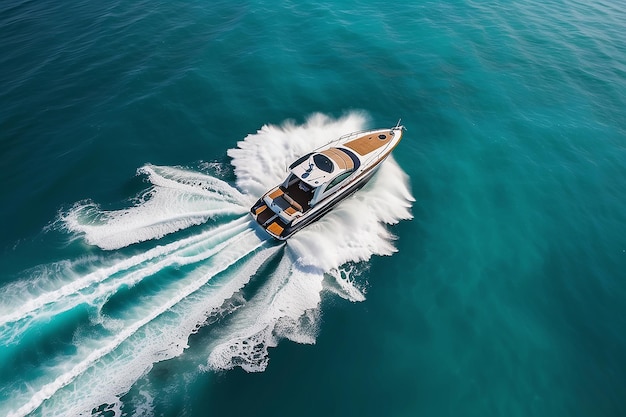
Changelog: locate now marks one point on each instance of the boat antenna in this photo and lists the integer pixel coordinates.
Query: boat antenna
(398, 126)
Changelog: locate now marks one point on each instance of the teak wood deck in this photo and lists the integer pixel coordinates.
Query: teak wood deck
(342, 159)
(368, 143)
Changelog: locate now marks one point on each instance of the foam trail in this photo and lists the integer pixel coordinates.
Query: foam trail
(285, 308)
(211, 271)
(352, 232)
(97, 285)
(344, 282)
(176, 200)
(92, 352)
(161, 339)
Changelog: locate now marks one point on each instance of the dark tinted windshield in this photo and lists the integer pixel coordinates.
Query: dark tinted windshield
(323, 162)
(299, 161)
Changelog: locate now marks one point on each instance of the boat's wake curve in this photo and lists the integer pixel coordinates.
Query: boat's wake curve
(103, 321)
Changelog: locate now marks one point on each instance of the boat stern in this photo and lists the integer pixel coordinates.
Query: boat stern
(275, 212)
(269, 221)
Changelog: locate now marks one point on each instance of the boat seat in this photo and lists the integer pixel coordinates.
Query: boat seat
(276, 193)
(293, 203)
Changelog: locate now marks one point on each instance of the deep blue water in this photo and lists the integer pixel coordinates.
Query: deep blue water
(481, 273)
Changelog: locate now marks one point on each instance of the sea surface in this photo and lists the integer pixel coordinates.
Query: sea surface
(482, 272)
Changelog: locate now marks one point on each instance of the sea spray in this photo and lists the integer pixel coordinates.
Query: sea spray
(189, 279)
(352, 232)
(356, 229)
(176, 200)
(155, 328)
(290, 307)
(95, 287)
(262, 158)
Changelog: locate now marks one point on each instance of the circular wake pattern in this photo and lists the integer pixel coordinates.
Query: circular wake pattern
(113, 315)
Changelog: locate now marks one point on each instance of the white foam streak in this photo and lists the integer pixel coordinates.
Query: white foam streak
(238, 247)
(352, 232)
(163, 338)
(344, 283)
(98, 285)
(177, 200)
(112, 353)
(287, 307)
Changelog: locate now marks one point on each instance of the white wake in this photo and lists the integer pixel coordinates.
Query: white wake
(176, 200)
(192, 278)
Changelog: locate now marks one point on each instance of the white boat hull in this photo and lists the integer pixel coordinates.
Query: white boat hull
(323, 178)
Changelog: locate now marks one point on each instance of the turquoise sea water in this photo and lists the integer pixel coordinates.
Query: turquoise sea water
(481, 273)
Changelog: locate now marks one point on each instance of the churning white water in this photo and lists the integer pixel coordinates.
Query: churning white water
(168, 292)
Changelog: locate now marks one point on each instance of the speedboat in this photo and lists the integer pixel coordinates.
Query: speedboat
(322, 178)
